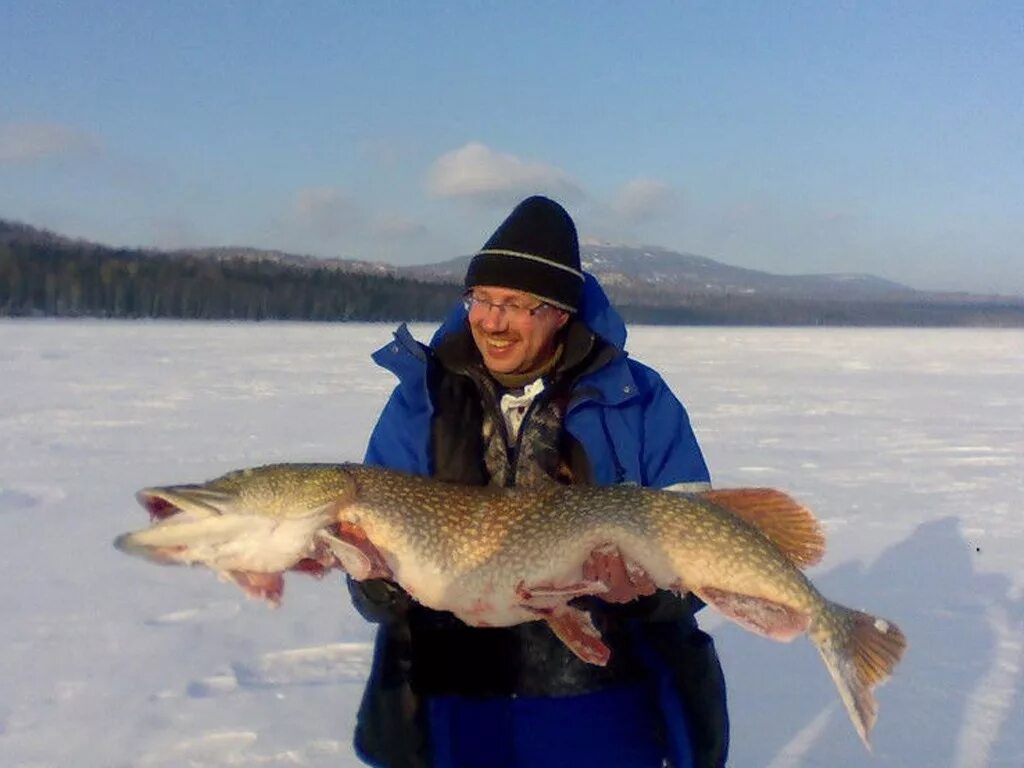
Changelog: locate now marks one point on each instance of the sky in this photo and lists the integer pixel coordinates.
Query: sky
(797, 137)
(108, 660)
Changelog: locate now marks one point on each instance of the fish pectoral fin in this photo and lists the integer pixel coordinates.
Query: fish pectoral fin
(576, 629)
(788, 525)
(355, 553)
(260, 586)
(353, 560)
(765, 617)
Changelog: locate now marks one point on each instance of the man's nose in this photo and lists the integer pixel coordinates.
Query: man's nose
(495, 318)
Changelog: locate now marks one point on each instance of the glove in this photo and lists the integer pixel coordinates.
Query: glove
(379, 600)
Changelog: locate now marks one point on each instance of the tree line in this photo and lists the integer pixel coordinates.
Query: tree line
(47, 276)
(65, 279)
(772, 311)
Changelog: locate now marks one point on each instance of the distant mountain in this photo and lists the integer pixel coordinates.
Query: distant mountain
(661, 275)
(656, 285)
(688, 273)
(45, 274)
(645, 273)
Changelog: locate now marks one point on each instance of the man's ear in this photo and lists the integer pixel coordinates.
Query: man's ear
(563, 318)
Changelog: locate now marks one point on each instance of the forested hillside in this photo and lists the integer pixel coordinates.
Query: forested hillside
(45, 275)
(67, 279)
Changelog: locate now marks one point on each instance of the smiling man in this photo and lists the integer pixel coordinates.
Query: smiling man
(514, 331)
(522, 287)
(527, 383)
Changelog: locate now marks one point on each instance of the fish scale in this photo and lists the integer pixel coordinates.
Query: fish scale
(504, 556)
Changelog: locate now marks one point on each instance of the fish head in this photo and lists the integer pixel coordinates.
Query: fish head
(259, 510)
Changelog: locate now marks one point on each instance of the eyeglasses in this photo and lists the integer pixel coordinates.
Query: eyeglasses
(512, 310)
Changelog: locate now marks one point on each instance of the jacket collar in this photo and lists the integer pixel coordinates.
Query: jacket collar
(403, 356)
(595, 338)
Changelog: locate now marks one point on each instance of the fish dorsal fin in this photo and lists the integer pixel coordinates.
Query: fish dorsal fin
(788, 525)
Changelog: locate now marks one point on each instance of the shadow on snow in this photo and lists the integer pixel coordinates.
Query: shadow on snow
(956, 698)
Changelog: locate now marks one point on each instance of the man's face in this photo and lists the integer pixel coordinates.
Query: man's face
(510, 338)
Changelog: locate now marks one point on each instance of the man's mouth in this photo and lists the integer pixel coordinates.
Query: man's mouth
(499, 343)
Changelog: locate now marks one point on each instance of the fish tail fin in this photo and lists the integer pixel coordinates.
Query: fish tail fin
(860, 651)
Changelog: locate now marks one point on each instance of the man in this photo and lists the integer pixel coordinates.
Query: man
(527, 383)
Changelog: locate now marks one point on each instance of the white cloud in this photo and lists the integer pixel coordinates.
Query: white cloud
(643, 199)
(26, 142)
(476, 172)
(327, 212)
(329, 221)
(394, 226)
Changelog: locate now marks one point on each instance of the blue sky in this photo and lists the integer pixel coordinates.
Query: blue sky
(885, 138)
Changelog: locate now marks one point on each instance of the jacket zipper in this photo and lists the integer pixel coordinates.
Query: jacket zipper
(514, 450)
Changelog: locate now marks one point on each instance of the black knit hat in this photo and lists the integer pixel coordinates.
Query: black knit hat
(534, 250)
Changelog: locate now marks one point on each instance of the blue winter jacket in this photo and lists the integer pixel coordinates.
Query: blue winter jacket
(632, 429)
(631, 426)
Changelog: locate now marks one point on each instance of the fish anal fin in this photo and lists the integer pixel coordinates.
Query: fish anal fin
(576, 629)
(765, 617)
(790, 526)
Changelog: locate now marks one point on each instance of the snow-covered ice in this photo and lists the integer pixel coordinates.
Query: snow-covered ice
(908, 444)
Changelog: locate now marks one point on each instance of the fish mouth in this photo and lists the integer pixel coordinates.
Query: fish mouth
(170, 509)
(195, 502)
(159, 508)
(164, 513)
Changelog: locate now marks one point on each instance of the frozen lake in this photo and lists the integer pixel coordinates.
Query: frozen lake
(908, 444)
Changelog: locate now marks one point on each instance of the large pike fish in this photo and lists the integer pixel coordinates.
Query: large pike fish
(499, 557)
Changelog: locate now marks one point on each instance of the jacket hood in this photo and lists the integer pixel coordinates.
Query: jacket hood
(595, 311)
